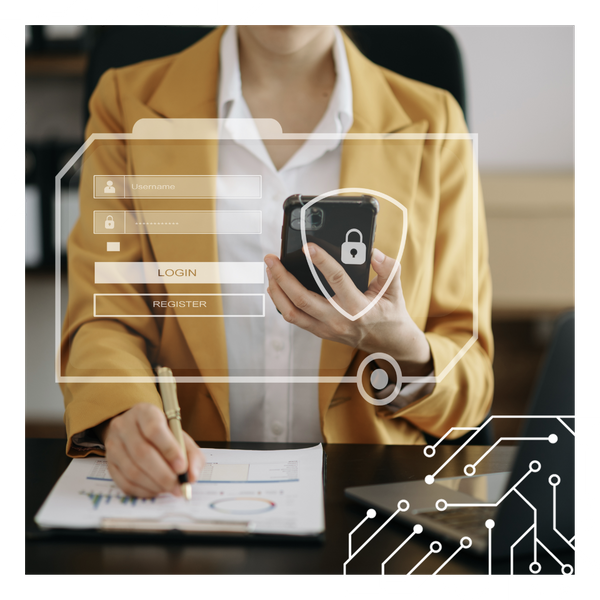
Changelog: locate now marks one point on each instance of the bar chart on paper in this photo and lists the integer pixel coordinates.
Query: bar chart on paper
(283, 471)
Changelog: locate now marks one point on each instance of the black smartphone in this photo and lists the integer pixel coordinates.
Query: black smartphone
(344, 226)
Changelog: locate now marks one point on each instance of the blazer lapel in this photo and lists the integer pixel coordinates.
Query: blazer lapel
(390, 167)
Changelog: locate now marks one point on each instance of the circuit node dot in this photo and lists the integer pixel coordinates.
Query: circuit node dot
(418, 528)
(371, 513)
(535, 567)
(429, 479)
(429, 451)
(567, 569)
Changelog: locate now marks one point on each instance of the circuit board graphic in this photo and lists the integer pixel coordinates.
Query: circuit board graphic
(572, 581)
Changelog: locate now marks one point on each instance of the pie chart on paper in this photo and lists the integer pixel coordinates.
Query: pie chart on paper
(242, 506)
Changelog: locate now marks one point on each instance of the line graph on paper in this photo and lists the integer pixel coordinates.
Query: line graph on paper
(112, 494)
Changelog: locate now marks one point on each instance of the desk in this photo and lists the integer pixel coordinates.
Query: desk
(347, 465)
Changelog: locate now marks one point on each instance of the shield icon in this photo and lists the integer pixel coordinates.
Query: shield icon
(325, 293)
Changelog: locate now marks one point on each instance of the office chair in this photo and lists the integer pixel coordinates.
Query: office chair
(427, 53)
(121, 45)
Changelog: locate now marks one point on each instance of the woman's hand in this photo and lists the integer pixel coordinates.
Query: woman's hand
(144, 458)
(387, 327)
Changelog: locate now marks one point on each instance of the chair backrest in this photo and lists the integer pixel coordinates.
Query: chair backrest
(426, 53)
(116, 46)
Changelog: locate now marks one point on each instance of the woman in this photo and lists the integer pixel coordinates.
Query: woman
(310, 79)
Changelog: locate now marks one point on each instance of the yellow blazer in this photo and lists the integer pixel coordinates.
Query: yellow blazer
(432, 178)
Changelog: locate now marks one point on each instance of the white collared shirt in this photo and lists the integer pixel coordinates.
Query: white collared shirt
(274, 412)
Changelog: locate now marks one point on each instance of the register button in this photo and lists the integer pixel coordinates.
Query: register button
(179, 305)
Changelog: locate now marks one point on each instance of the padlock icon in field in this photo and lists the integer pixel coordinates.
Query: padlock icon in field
(109, 223)
(354, 253)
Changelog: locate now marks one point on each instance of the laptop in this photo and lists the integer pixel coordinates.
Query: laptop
(518, 512)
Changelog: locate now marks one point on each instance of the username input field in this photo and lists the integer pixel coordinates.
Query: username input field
(178, 186)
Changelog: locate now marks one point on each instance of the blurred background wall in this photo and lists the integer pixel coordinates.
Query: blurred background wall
(520, 102)
(520, 94)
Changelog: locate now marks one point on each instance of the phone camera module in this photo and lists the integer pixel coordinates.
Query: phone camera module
(313, 218)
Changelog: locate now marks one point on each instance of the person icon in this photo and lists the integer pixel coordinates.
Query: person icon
(109, 189)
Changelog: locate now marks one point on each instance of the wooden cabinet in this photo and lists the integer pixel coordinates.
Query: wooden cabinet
(531, 228)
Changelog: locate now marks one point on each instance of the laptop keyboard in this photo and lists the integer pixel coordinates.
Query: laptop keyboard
(469, 520)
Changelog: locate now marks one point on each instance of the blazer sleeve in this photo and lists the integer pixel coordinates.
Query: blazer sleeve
(93, 347)
(458, 326)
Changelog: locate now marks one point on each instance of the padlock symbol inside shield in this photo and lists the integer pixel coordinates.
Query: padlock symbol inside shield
(354, 253)
(386, 285)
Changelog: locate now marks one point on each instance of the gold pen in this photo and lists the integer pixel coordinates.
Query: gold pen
(168, 391)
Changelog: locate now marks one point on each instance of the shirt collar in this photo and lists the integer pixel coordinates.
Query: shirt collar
(338, 117)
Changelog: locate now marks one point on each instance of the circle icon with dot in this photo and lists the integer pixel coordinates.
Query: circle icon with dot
(379, 378)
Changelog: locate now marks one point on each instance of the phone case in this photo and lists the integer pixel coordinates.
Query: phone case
(344, 226)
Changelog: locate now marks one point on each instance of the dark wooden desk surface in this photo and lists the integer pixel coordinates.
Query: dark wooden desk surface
(347, 465)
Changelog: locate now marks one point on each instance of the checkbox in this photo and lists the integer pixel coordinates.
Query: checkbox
(113, 246)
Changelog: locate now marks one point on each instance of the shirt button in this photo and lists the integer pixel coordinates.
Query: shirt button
(276, 428)
(277, 345)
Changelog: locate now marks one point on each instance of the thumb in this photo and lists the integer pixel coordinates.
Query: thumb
(385, 268)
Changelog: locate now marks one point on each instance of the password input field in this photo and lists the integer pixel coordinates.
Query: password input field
(182, 222)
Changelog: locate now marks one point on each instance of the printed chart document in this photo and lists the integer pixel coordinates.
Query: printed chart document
(245, 491)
